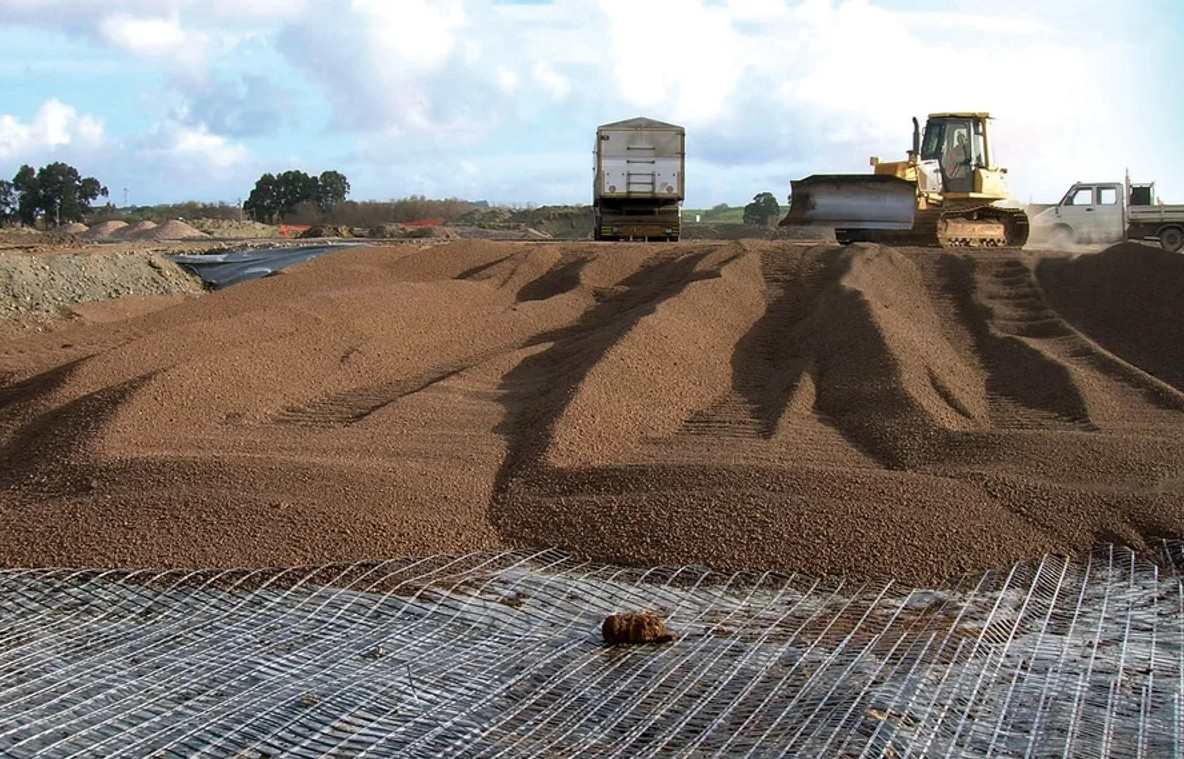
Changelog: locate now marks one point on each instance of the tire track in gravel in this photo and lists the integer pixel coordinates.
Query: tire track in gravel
(994, 311)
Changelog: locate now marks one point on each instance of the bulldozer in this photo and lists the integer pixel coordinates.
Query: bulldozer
(944, 195)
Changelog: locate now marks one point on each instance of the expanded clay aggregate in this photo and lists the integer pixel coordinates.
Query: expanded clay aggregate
(860, 411)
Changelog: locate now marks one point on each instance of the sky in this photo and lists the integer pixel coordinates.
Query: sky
(176, 100)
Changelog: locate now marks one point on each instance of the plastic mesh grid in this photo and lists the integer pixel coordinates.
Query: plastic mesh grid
(499, 654)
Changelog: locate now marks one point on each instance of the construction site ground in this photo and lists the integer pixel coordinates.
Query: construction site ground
(797, 406)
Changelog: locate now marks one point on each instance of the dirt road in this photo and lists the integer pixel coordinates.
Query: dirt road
(747, 405)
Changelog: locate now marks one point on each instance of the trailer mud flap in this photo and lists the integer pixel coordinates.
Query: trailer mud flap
(851, 201)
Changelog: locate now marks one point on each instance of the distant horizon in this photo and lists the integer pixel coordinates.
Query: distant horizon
(500, 99)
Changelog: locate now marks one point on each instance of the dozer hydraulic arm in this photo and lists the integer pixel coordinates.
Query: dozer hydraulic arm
(944, 194)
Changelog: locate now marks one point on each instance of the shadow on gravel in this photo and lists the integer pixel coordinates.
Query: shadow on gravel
(537, 391)
(48, 454)
(768, 361)
(558, 280)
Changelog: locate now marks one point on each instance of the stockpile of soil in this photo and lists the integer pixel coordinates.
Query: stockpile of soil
(387, 231)
(319, 231)
(746, 405)
(74, 228)
(171, 230)
(44, 285)
(105, 230)
(137, 231)
(235, 230)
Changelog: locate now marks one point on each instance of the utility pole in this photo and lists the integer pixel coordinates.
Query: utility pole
(125, 197)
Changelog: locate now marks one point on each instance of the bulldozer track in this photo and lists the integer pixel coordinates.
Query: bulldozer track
(1003, 323)
(348, 407)
(937, 228)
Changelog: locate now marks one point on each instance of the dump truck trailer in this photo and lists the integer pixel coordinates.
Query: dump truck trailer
(639, 187)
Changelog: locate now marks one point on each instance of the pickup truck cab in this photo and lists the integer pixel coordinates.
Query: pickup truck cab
(1106, 212)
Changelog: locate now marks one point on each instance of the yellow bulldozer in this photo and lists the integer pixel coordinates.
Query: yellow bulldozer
(945, 194)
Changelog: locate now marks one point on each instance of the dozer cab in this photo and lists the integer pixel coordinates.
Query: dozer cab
(943, 195)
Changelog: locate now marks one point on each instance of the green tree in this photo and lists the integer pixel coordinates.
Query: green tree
(332, 188)
(8, 202)
(263, 202)
(25, 184)
(56, 191)
(762, 211)
(277, 196)
(295, 187)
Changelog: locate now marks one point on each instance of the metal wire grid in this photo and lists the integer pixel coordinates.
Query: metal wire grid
(499, 654)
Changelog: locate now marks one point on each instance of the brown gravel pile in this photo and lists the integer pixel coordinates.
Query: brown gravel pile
(747, 405)
(74, 228)
(171, 230)
(105, 230)
(138, 231)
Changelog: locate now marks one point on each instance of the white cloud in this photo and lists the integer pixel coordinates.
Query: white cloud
(55, 125)
(769, 90)
(418, 33)
(552, 81)
(151, 37)
(193, 148)
(507, 79)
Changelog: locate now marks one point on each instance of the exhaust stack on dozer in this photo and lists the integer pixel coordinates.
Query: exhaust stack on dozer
(943, 195)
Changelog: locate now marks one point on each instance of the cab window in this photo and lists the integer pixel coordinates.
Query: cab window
(931, 147)
(1082, 196)
(977, 145)
(1107, 196)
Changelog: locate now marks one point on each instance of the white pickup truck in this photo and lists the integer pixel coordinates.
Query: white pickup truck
(1106, 212)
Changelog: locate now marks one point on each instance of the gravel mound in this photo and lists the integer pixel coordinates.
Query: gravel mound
(235, 230)
(747, 405)
(105, 230)
(75, 228)
(44, 285)
(138, 231)
(171, 230)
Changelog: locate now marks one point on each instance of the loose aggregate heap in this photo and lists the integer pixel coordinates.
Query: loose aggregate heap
(861, 411)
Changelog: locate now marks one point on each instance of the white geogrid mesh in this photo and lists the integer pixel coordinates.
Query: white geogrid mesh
(500, 655)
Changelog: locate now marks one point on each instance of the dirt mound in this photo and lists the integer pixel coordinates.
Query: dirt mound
(230, 229)
(1096, 293)
(387, 231)
(749, 405)
(431, 233)
(327, 231)
(137, 231)
(171, 230)
(74, 228)
(44, 285)
(105, 230)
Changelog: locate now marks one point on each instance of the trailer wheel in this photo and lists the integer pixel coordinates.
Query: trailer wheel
(1171, 239)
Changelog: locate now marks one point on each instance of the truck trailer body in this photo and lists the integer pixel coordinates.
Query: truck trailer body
(639, 181)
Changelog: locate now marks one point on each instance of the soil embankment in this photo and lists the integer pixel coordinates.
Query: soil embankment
(746, 405)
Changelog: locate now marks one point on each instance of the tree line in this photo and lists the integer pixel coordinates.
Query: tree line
(56, 193)
(277, 196)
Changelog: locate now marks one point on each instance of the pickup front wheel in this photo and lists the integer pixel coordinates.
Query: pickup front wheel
(1171, 239)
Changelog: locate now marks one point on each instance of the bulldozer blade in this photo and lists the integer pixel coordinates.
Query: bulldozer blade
(851, 201)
